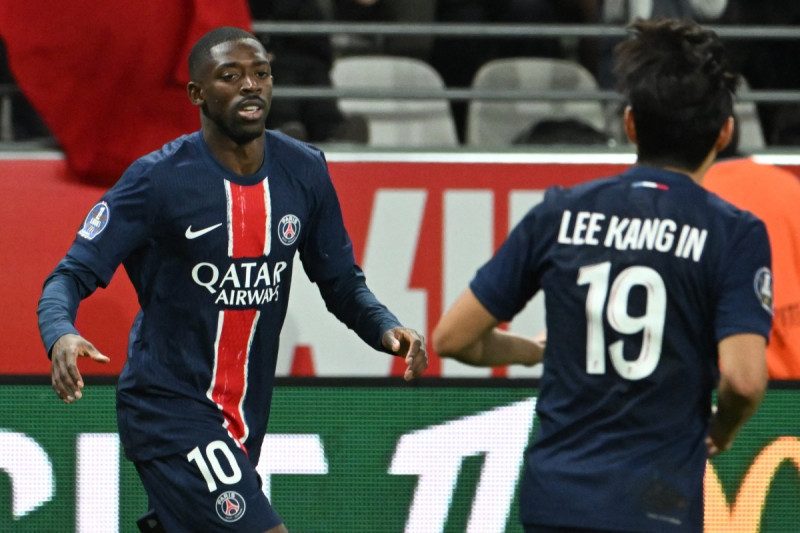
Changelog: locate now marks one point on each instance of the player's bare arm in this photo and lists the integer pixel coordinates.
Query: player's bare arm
(468, 333)
(743, 380)
(409, 344)
(66, 379)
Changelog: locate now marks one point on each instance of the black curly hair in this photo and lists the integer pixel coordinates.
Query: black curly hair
(201, 50)
(676, 77)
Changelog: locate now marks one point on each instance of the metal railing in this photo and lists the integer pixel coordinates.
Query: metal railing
(515, 31)
(443, 29)
(480, 31)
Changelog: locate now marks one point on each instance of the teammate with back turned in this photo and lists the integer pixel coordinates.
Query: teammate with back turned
(656, 292)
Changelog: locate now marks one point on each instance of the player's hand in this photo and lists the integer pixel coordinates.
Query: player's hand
(716, 442)
(67, 381)
(712, 447)
(407, 343)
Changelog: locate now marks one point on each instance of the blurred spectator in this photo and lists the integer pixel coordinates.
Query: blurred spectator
(770, 63)
(381, 11)
(19, 121)
(773, 195)
(570, 131)
(109, 78)
(304, 60)
(360, 11)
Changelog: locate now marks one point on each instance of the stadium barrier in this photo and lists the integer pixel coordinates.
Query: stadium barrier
(372, 456)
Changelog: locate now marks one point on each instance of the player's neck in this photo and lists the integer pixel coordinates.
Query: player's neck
(696, 175)
(244, 159)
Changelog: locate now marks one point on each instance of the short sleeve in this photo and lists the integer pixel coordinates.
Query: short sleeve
(506, 283)
(745, 299)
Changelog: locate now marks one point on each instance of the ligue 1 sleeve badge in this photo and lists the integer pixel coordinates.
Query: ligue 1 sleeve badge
(96, 221)
(288, 229)
(230, 506)
(763, 287)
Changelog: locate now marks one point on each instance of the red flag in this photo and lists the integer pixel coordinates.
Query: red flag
(109, 78)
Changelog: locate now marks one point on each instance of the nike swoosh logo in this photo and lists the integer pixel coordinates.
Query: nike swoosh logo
(192, 234)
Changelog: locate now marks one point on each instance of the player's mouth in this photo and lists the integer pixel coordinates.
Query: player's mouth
(252, 109)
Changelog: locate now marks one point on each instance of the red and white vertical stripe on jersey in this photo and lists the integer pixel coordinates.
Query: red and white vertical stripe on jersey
(235, 330)
(249, 219)
(249, 223)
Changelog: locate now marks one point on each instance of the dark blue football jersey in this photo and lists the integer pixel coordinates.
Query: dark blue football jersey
(210, 254)
(643, 275)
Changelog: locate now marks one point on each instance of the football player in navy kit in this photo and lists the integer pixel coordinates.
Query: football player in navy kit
(207, 228)
(656, 292)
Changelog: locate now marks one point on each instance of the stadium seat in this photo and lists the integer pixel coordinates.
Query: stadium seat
(492, 123)
(396, 122)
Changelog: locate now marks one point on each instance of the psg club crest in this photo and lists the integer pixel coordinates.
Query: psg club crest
(230, 506)
(763, 287)
(96, 221)
(288, 229)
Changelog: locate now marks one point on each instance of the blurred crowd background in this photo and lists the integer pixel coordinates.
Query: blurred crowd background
(105, 83)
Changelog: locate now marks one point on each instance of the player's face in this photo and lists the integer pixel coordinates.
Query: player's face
(236, 90)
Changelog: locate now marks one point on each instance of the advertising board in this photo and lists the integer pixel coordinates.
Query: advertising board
(364, 456)
(421, 224)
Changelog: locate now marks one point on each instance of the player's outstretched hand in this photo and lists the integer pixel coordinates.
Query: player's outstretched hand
(67, 381)
(407, 343)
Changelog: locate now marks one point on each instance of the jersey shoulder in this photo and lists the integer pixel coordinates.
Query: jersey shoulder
(179, 152)
(300, 158)
(730, 213)
(559, 197)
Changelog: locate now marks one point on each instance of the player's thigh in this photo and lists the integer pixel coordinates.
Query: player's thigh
(212, 487)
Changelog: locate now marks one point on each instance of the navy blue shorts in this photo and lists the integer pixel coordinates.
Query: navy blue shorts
(212, 487)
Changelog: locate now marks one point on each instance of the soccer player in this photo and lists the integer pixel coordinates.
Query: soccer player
(207, 229)
(656, 291)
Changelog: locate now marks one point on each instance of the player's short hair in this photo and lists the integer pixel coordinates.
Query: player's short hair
(677, 78)
(201, 50)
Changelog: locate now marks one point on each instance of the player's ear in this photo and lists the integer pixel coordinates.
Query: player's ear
(725, 135)
(629, 124)
(195, 92)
